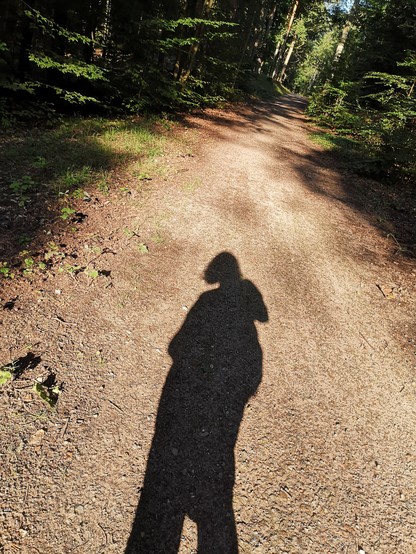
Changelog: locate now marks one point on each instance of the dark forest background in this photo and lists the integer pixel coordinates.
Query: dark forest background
(355, 60)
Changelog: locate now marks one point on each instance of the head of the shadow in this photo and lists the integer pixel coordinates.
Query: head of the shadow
(223, 269)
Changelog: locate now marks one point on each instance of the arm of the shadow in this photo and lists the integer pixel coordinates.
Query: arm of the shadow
(256, 305)
(185, 337)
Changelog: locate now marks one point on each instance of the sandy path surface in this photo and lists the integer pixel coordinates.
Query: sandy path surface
(273, 415)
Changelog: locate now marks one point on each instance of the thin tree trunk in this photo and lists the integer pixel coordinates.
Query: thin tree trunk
(281, 46)
(342, 41)
(286, 62)
(340, 47)
(244, 49)
(202, 10)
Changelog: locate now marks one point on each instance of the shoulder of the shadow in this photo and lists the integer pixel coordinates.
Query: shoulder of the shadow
(256, 305)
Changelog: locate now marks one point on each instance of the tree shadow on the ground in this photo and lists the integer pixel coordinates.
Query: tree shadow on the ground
(250, 115)
(217, 367)
(388, 205)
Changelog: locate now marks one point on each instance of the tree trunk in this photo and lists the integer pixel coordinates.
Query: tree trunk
(286, 62)
(202, 9)
(342, 41)
(90, 29)
(281, 46)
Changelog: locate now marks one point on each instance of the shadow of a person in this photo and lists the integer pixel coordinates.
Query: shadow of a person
(217, 367)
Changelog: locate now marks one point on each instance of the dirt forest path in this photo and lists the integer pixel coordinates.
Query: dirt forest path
(281, 406)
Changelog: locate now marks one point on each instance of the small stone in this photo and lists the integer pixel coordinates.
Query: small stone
(36, 438)
(175, 451)
(79, 509)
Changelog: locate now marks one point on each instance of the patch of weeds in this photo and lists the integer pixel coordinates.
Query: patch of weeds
(144, 177)
(71, 269)
(148, 169)
(92, 273)
(78, 194)
(21, 189)
(48, 391)
(40, 162)
(73, 178)
(165, 122)
(192, 186)
(5, 376)
(130, 233)
(24, 240)
(132, 138)
(154, 151)
(28, 266)
(143, 248)
(66, 213)
(53, 253)
(5, 271)
(73, 155)
(103, 183)
(158, 238)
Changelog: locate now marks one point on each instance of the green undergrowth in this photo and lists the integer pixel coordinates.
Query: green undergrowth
(391, 204)
(77, 153)
(47, 174)
(350, 153)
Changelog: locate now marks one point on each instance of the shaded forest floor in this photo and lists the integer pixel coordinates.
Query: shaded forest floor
(278, 409)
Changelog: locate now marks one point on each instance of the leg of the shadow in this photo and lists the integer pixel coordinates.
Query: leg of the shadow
(218, 534)
(156, 533)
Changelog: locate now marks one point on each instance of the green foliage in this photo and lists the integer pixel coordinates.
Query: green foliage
(383, 120)
(49, 395)
(51, 28)
(66, 213)
(313, 71)
(92, 273)
(138, 58)
(369, 94)
(74, 177)
(77, 68)
(143, 248)
(5, 271)
(5, 376)
(22, 188)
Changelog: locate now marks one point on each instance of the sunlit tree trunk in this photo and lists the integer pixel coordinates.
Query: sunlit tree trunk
(281, 46)
(286, 62)
(342, 41)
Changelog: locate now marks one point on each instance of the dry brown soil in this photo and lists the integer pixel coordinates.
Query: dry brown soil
(272, 413)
